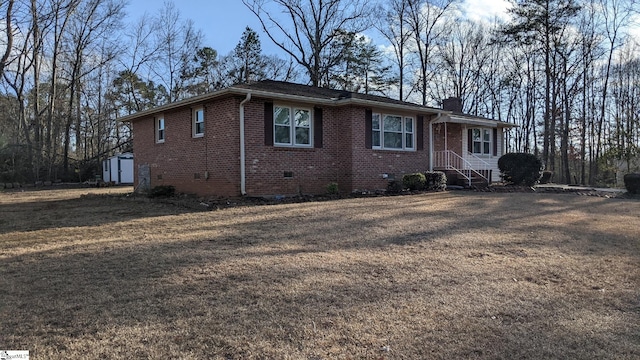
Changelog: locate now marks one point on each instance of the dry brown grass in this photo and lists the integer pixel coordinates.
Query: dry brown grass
(432, 276)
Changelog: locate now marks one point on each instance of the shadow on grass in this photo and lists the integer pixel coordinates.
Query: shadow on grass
(88, 210)
(304, 281)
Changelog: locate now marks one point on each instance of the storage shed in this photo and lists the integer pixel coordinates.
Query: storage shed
(118, 169)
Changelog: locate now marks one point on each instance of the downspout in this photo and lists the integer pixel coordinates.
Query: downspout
(431, 148)
(243, 180)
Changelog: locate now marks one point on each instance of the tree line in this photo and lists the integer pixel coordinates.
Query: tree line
(567, 72)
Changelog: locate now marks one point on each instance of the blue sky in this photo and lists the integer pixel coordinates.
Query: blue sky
(221, 21)
(224, 21)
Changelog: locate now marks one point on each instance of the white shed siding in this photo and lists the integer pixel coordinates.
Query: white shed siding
(118, 169)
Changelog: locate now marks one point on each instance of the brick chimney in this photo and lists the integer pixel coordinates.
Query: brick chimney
(452, 104)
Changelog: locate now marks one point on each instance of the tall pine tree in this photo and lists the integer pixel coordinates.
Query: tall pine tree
(542, 23)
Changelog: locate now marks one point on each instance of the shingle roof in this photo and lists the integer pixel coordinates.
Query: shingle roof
(288, 88)
(282, 90)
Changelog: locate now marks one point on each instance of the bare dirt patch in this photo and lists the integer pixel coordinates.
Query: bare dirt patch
(438, 276)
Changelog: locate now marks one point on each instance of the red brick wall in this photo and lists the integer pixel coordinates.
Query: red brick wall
(369, 165)
(184, 161)
(454, 137)
(342, 159)
(312, 169)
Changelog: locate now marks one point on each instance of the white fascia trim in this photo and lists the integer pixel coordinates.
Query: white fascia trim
(457, 119)
(341, 102)
(284, 97)
(177, 104)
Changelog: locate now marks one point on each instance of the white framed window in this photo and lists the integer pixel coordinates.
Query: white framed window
(160, 133)
(480, 141)
(408, 133)
(198, 122)
(291, 126)
(392, 132)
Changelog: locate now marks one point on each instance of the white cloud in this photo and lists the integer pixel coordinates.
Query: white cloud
(634, 27)
(485, 10)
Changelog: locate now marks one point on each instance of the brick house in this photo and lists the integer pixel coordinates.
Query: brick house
(275, 138)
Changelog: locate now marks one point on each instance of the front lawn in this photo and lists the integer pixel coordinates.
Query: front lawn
(451, 275)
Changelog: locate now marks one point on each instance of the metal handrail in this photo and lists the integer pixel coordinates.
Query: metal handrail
(450, 160)
(485, 165)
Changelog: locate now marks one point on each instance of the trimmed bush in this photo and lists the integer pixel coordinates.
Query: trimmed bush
(520, 168)
(162, 191)
(632, 183)
(394, 187)
(332, 188)
(435, 180)
(546, 177)
(415, 181)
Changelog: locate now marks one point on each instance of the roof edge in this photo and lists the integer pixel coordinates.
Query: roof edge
(475, 120)
(233, 90)
(177, 104)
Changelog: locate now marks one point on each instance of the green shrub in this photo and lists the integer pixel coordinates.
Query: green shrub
(394, 187)
(632, 183)
(162, 191)
(520, 168)
(546, 177)
(415, 181)
(435, 180)
(332, 188)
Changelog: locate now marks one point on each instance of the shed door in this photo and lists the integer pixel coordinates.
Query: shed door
(125, 175)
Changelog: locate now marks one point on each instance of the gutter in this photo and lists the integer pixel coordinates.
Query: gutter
(243, 180)
(283, 97)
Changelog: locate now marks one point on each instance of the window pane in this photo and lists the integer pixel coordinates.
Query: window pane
(281, 115)
(487, 135)
(392, 140)
(375, 122)
(393, 123)
(199, 122)
(282, 135)
(408, 143)
(476, 135)
(302, 118)
(477, 146)
(160, 130)
(486, 148)
(302, 136)
(375, 138)
(408, 127)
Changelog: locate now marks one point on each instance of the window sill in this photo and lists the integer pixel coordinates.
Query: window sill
(292, 148)
(394, 150)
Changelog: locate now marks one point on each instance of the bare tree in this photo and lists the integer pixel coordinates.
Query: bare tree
(543, 23)
(463, 59)
(276, 68)
(616, 15)
(178, 41)
(85, 52)
(8, 32)
(397, 31)
(310, 28)
(426, 23)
